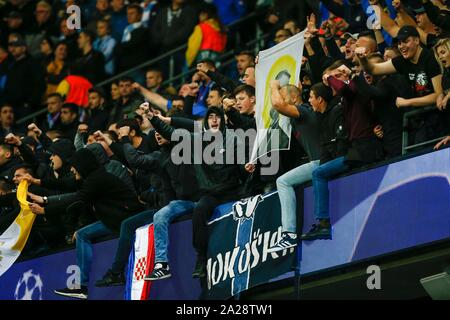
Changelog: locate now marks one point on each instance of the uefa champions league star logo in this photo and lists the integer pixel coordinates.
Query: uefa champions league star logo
(29, 287)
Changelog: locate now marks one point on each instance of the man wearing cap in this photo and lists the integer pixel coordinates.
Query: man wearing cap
(417, 64)
(349, 46)
(25, 83)
(24, 7)
(15, 23)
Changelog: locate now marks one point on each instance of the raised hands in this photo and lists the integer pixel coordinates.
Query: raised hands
(13, 139)
(100, 136)
(33, 127)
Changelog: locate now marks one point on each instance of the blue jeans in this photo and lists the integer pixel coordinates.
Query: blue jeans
(320, 178)
(161, 222)
(85, 236)
(285, 186)
(127, 231)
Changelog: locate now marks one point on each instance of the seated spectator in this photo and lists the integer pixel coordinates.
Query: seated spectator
(172, 27)
(97, 115)
(150, 9)
(46, 48)
(69, 120)
(57, 69)
(154, 79)
(111, 206)
(307, 124)
(363, 146)
(14, 24)
(25, 84)
(102, 12)
(131, 50)
(115, 93)
(208, 40)
(53, 116)
(105, 44)
(128, 102)
(118, 19)
(91, 64)
(69, 37)
(7, 120)
(42, 26)
(216, 181)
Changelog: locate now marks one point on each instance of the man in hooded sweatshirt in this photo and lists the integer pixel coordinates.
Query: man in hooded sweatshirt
(110, 205)
(218, 179)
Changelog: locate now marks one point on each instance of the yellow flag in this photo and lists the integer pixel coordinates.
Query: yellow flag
(13, 240)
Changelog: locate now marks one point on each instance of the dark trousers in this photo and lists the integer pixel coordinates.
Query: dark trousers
(201, 214)
(127, 232)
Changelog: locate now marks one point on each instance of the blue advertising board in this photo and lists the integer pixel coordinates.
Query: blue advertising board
(375, 212)
(37, 278)
(383, 210)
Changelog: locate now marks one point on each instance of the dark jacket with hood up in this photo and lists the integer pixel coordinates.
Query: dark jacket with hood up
(112, 200)
(178, 181)
(218, 177)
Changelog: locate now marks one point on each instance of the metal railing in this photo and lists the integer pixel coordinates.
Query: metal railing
(405, 135)
(155, 61)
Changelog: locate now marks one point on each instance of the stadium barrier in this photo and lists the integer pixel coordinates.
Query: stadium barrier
(374, 212)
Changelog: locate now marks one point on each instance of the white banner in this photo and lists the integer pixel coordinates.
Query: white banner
(13, 240)
(281, 62)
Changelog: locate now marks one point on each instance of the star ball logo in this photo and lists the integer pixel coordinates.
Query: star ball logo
(29, 287)
(74, 20)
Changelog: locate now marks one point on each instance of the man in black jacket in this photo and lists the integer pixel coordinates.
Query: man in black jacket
(111, 206)
(172, 27)
(92, 63)
(97, 113)
(25, 82)
(178, 182)
(133, 49)
(219, 182)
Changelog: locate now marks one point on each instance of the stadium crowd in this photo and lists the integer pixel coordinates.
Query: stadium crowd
(100, 161)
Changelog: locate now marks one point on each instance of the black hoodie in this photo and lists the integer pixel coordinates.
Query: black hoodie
(216, 178)
(112, 200)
